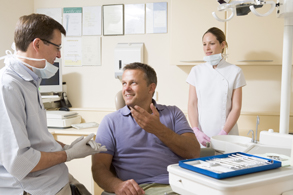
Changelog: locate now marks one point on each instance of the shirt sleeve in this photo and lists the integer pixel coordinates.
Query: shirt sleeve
(105, 136)
(240, 80)
(16, 154)
(181, 123)
(191, 77)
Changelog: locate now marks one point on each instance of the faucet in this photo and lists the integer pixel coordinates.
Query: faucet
(254, 134)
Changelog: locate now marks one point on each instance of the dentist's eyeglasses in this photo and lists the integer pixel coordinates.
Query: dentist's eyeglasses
(58, 46)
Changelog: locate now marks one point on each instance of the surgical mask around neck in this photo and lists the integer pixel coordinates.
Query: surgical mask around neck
(47, 72)
(213, 59)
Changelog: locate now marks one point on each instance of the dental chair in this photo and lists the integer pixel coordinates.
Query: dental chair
(119, 103)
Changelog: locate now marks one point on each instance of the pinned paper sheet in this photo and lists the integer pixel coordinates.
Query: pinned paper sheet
(72, 52)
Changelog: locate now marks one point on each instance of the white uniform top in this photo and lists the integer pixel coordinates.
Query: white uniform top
(23, 134)
(214, 88)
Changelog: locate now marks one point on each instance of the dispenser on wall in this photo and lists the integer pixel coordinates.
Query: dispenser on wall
(126, 53)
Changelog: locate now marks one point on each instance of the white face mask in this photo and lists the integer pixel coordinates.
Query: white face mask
(47, 72)
(213, 59)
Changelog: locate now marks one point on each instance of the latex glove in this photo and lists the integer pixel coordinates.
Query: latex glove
(82, 148)
(66, 147)
(96, 146)
(223, 132)
(201, 137)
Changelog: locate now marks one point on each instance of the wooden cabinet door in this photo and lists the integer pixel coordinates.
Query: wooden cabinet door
(190, 19)
(255, 40)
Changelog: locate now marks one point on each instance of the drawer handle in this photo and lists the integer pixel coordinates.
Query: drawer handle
(255, 60)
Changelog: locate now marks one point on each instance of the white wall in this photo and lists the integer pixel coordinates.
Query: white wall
(10, 11)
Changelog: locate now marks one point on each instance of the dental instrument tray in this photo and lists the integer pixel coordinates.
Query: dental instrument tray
(229, 165)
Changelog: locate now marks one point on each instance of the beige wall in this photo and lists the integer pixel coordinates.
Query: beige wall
(10, 11)
(95, 87)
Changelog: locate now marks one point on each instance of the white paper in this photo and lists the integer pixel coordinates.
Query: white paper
(156, 17)
(72, 20)
(91, 51)
(72, 54)
(113, 19)
(92, 20)
(55, 13)
(134, 18)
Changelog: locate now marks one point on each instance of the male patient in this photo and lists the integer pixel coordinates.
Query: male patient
(142, 139)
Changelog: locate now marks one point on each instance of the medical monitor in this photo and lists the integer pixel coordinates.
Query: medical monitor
(53, 84)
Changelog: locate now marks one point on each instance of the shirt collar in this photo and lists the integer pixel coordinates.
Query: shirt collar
(24, 72)
(125, 111)
(34, 75)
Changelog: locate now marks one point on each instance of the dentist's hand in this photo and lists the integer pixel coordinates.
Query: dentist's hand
(201, 137)
(66, 147)
(83, 148)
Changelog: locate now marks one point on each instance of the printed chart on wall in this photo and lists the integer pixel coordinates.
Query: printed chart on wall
(91, 51)
(92, 20)
(72, 51)
(156, 17)
(55, 13)
(72, 20)
(134, 18)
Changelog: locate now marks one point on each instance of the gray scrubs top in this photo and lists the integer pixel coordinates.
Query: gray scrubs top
(24, 133)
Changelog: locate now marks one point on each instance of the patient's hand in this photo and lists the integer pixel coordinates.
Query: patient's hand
(129, 187)
(149, 122)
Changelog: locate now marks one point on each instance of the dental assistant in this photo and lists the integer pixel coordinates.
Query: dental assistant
(215, 91)
(31, 161)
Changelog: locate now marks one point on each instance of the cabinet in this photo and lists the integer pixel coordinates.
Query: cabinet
(190, 19)
(255, 40)
(252, 40)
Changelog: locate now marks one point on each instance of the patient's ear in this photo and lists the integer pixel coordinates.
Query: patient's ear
(152, 88)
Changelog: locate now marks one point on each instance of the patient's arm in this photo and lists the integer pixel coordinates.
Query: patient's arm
(103, 176)
(184, 145)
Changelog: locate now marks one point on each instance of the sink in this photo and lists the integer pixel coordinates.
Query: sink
(262, 149)
(231, 143)
(235, 143)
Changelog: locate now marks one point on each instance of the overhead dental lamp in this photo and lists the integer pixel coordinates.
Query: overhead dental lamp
(284, 9)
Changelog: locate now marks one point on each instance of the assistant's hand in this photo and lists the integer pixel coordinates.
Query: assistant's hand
(84, 148)
(147, 121)
(201, 137)
(223, 132)
(128, 187)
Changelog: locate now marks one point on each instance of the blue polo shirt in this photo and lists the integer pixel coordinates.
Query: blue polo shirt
(137, 154)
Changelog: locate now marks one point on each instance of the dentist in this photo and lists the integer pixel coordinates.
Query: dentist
(31, 161)
(215, 91)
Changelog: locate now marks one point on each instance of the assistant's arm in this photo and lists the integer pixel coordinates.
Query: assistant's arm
(103, 176)
(192, 107)
(235, 110)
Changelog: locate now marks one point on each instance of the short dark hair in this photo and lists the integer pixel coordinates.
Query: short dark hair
(219, 34)
(34, 26)
(149, 73)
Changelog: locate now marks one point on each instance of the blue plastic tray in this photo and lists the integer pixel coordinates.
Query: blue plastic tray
(274, 164)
